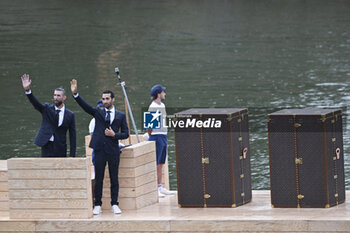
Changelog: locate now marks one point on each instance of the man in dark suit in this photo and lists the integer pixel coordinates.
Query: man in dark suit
(104, 141)
(56, 121)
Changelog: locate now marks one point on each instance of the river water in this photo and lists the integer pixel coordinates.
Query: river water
(261, 55)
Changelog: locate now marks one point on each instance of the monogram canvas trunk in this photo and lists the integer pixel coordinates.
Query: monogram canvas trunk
(213, 157)
(306, 158)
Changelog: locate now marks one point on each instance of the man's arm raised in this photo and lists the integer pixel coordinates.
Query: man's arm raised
(26, 82)
(74, 86)
(87, 108)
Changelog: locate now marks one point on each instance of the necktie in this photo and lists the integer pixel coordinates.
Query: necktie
(57, 116)
(108, 117)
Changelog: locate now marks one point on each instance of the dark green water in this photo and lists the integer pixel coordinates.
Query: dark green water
(263, 55)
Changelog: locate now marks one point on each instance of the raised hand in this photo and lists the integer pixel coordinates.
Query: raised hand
(26, 82)
(74, 86)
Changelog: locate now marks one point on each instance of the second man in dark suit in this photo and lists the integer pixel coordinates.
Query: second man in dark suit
(56, 121)
(110, 126)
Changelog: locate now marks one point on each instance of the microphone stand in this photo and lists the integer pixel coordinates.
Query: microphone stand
(122, 83)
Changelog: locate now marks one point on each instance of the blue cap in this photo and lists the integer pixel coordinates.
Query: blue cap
(155, 90)
(99, 103)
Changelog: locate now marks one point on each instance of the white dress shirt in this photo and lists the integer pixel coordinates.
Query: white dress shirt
(60, 119)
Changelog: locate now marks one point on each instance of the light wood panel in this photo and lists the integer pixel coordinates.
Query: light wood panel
(49, 188)
(4, 198)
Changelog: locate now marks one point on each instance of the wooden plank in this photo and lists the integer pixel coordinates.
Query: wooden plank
(3, 176)
(50, 214)
(133, 182)
(48, 204)
(138, 171)
(3, 214)
(47, 184)
(92, 172)
(102, 225)
(49, 194)
(133, 140)
(46, 163)
(4, 205)
(4, 186)
(106, 172)
(138, 149)
(89, 187)
(41, 192)
(88, 151)
(15, 226)
(106, 203)
(130, 181)
(138, 161)
(139, 202)
(47, 174)
(133, 192)
(3, 165)
(165, 174)
(87, 140)
(4, 196)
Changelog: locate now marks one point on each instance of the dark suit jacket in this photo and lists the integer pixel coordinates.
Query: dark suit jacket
(49, 127)
(99, 140)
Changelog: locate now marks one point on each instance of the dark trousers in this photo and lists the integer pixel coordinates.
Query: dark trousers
(50, 150)
(101, 158)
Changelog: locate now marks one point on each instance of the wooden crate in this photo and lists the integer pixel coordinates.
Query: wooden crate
(138, 165)
(165, 172)
(49, 188)
(137, 176)
(4, 198)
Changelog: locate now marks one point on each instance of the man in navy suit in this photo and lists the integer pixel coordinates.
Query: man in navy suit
(56, 121)
(104, 141)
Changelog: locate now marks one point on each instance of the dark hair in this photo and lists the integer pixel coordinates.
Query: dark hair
(61, 89)
(108, 92)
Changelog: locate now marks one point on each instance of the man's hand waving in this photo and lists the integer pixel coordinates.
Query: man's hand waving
(26, 82)
(74, 86)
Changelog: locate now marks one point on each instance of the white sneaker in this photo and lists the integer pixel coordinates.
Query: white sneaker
(160, 195)
(165, 191)
(97, 210)
(116, 209)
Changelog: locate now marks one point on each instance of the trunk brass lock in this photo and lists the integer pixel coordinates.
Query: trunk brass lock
(207, 196)
(299, 161)
(300, 196)
(205, 160)
(337, 152)
(297, 125)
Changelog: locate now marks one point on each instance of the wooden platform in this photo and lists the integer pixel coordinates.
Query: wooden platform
(166, 216)
(52, 188)
(4, 194)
